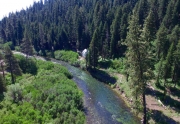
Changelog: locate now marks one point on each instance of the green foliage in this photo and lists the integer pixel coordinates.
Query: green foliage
(76, 28)
(67, 56)
(49, 54)
(27, 65)
(2, 84)
(11, 64)
(17, 48)
(14, 93)
(139, 69)
(8, 79)
(162, 42)
(26, 46)
(118, 65)
(93, 50)
(49, 97)
(24, 113)
(115, 34)
(55, 67)
(9, 44)
(83, 64)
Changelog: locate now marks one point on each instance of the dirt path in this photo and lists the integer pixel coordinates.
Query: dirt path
(154, 104)
(157, 109)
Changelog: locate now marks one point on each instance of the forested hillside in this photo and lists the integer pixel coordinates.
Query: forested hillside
(145, 32)
(70, 24)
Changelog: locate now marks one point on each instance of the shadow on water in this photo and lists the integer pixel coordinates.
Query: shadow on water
(160, 118)
(102, 76)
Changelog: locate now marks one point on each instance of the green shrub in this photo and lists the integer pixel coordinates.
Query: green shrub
(17, 48)
(10, 44)
(53, 67)
(67, 56)
(50, 96)
(118, 65)
(83, 64)
(2, 84)
(23, 114)
(49, 54)
(27, 65)
(14, 93)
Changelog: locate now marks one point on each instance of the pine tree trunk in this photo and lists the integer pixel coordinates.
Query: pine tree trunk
(127, 77)
(175, 83)
(12, 76)
(158, 76)
(165, 89)
(94, 58)
(3, 70)
(174, 79)
(144, 105)
(157, 80)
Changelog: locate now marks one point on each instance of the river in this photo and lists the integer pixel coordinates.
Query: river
(102, 104)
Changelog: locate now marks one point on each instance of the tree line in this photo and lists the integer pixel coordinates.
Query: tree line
(60, 24)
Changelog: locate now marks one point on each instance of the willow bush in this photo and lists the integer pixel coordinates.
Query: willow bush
(50, 96)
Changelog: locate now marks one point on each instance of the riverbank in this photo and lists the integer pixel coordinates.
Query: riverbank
(114, 81)
(158, 112)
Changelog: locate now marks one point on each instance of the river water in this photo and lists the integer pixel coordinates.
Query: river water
(102, 104)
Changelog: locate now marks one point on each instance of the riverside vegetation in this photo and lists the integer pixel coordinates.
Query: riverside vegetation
(155, 98)
(67, 56)
(43, 93)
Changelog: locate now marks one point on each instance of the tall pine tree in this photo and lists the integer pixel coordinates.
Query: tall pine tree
(11, 64)
(93, 50)
(138, 59)
(26, 46)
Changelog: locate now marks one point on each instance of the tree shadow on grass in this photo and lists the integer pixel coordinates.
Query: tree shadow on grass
(168, 101)
(160, 118)
(102, 76)
(159, 86)
(175, 92)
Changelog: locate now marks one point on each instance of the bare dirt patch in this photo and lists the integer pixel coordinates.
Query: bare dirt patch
(159, 112)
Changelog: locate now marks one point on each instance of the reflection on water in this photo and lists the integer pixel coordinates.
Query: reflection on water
(102, 105)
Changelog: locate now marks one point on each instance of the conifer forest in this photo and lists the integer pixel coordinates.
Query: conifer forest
(139, 39)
